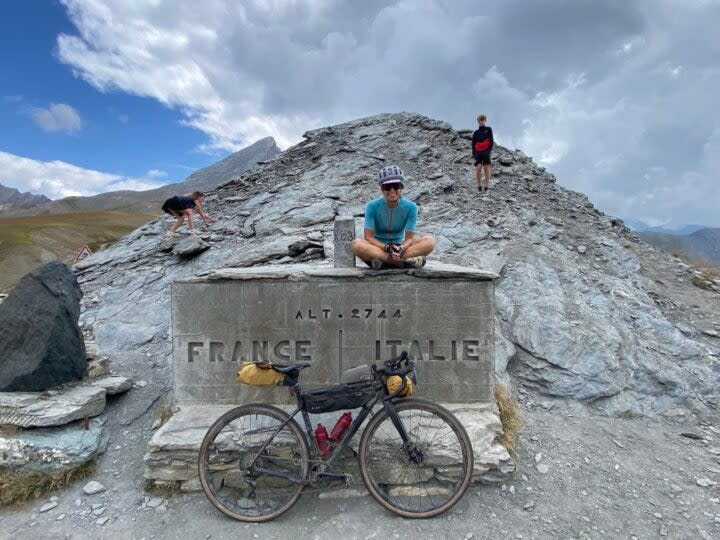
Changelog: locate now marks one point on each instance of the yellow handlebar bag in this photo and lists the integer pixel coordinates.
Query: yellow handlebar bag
(394, 382)
(259, 374)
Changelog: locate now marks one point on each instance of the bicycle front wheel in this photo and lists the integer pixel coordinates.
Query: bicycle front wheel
(248, 469)
(426, 477)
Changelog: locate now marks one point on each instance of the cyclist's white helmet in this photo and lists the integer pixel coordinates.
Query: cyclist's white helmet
(391, 173)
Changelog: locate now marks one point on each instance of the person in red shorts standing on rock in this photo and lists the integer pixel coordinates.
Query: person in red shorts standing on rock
(482, 145)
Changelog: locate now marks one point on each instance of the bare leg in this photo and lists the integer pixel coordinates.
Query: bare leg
(191, 224)
(421, 246)
(367, 252)
(177, 224)
(478, 170)
(488, 175)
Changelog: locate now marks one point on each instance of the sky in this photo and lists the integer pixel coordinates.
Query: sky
(616, 98)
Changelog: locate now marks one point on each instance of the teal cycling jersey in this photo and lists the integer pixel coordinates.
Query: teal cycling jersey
(389, 224)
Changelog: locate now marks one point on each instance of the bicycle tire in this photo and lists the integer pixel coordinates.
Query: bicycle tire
(221, 476)
(382, 490)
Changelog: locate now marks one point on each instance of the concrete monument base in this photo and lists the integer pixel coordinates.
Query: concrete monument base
(172, 456)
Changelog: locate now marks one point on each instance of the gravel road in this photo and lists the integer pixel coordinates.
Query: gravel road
(580, 475)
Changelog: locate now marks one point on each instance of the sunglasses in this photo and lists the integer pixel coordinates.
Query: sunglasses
(389, 187)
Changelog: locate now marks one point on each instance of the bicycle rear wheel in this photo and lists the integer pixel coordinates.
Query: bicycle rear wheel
(245, 488)
(422, 480)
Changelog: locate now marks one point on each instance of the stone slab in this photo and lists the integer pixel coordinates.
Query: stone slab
(334, 318)
(114, 384)
(49, 449)
(35, 409)
(173, 450)
(308, 272)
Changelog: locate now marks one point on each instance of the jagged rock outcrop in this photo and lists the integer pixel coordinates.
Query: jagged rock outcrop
(10, 197)
(584, 309)
(41, 345)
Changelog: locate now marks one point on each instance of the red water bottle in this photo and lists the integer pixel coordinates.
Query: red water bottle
(340, 426)
(321, 435)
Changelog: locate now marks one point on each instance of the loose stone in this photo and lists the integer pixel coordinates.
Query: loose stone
(48, 506)
(93, 487)
(154, 502)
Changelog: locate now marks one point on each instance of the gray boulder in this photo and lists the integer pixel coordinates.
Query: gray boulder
(190, 246)
(41, 343)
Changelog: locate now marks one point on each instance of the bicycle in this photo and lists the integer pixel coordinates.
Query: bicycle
(415, 457)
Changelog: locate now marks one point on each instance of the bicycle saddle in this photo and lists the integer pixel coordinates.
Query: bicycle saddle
(290, 368)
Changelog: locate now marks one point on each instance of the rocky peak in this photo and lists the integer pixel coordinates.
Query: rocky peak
(10, 197)
(583, 311)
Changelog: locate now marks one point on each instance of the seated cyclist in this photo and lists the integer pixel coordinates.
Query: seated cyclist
(390, 227)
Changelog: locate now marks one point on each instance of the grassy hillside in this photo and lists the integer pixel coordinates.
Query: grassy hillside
(28, 242)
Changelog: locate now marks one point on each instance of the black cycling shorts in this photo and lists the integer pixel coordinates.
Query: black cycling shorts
(173, 206)
(482, 158)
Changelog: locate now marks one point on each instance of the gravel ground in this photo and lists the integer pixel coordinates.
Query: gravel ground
(580, 475)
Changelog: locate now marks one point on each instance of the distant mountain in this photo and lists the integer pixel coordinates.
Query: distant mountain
(12, 197)
(32, 236)
(641, 226)
(700, 245)
(205, 179)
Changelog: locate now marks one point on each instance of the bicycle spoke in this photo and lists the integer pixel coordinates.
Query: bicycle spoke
(250, 464)
(430, 475)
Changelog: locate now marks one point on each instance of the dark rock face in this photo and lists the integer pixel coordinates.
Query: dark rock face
(41, 343)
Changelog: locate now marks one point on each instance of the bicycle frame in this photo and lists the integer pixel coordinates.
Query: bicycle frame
(365, 411)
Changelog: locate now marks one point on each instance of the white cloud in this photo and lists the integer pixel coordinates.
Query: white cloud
(156, 173)
(57, 179)
(57, 117)
(600, 91)
(134, 184)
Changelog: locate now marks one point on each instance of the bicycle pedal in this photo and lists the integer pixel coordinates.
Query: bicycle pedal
(348, 480)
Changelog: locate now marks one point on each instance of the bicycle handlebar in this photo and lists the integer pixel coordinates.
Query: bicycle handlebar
(394, 366)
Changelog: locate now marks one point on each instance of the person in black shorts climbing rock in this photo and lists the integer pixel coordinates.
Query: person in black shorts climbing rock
(482, 145)
(182, 207)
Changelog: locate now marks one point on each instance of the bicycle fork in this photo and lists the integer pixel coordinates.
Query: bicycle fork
(414, 454)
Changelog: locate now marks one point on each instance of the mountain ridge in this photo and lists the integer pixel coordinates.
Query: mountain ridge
(204, 179)
(33, 236)
(702, 245)
(584, 310)
(10, 197)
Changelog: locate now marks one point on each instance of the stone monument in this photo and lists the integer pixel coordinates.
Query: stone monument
(334, 318)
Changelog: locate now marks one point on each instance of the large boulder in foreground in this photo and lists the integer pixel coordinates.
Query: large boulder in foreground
(41, 343)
